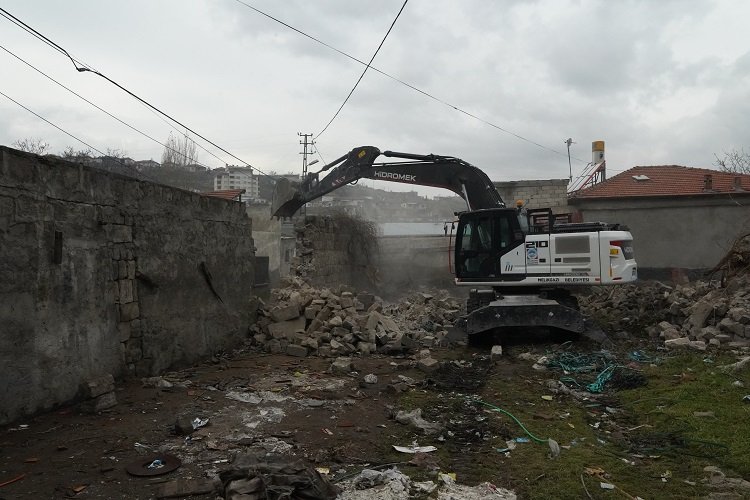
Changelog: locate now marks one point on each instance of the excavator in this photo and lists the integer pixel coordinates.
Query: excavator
(521, 264)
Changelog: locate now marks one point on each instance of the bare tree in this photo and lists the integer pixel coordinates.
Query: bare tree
(180, 151)
(32, 145)
(72, 155)
(734, 161)
(116, 153)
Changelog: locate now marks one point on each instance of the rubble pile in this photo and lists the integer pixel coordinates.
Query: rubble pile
(305, 320)
(697, 315)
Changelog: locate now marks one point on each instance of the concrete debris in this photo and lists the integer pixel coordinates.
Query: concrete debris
(257, 477)
(697, 315)
(99, 394)
(393, 484)
(414, 418)
(307, 321)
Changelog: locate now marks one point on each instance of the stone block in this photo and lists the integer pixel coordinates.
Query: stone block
(312, 311)
(131, 269)
(285, 313)
(296, 350)
(677, 343)
(126, 290)
(286, 329)
(315, 325)
(97, 386)
(123, 331)
(730, 326)
(496, 352)
(310, 343)
(133, 350)
(342, 366)
(428, 365)
(346, 302)
(389, 324)
(119, 233)
(324, 314)
(99, 403)
(274, 346)
(129, 312)
(122, 269)
(372, 321)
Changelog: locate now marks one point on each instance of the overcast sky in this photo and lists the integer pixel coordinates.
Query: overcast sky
(662, 82)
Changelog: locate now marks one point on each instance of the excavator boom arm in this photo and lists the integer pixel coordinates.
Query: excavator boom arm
(446, 172)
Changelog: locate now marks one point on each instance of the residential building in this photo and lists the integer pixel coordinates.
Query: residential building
(234, 177)
(680, 217)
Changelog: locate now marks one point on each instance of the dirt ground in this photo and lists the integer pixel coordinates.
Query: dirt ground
(342, 424)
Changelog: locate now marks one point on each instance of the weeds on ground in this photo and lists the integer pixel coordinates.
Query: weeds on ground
(652, 441)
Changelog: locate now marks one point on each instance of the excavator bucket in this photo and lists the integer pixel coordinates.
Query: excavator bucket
(286, 199)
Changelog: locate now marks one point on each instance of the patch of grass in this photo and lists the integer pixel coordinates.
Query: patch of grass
(648, 443)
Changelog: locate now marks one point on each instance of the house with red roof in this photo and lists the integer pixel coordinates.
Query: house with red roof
(680, 217)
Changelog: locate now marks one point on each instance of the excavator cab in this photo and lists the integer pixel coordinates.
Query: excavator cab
(482, 238)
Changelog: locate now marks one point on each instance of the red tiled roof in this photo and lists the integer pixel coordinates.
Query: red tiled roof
(227, 194)
(666, 180)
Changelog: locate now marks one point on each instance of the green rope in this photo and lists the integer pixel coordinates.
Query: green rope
(528, 433)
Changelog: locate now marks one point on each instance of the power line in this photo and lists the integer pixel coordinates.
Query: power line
(365, 70)
(122, 162)
(402, 82)
(99, 108)
(84, 68)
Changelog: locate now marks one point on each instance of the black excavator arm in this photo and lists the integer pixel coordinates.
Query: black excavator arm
(446, 172)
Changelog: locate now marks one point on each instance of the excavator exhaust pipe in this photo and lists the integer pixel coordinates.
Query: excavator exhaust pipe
(286, 199)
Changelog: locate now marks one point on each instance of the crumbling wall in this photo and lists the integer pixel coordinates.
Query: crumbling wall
(413, 262)
(329, 255)
(337, 249)
(101, 273)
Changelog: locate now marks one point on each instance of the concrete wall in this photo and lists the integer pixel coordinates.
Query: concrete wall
(684, 233)
(145, 277)
(549, 193)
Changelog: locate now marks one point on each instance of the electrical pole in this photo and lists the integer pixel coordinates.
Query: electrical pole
(305, 143)
(570, 166)
(304, 154)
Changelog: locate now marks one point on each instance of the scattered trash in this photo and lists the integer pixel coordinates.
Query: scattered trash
(554, 448)
(704, 414)
(522, 440)
(746, 399)
(547, 397)
(607, 486)
(414, 418)
(327, 431)
(10, 481)
(199, 422)
(153, 465)
(323, 470)
(414, 449)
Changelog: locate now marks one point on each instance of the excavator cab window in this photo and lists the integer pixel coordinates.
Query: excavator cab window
(482, 238)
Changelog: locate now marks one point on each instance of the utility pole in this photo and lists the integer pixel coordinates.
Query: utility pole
(305, 143)
(570, 166)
